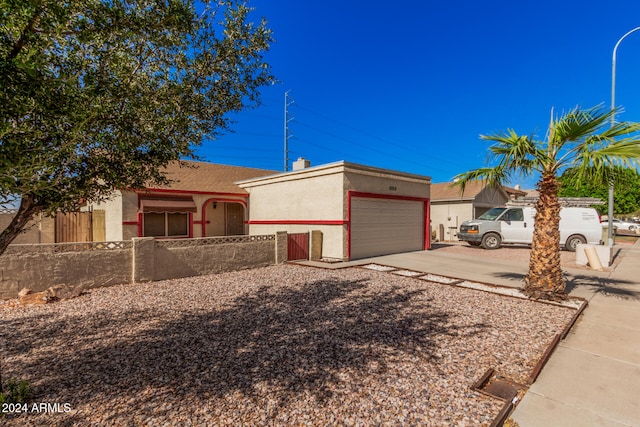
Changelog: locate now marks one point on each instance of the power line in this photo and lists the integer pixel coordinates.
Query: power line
(369, 148)
(369, 134)
(243, 149)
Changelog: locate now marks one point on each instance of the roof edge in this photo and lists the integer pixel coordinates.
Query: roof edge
(331, 168)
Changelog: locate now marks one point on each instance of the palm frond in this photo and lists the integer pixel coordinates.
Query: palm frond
(627, 149)
(620, 129)
(491, 176)
(625, 153)
(515, 152)
(577, 125)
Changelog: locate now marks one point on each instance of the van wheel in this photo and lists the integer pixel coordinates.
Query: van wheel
(572, 243)
(491, 241)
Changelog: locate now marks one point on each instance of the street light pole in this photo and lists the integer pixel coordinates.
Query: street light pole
(613, 106)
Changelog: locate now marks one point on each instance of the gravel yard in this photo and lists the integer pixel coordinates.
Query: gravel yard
(281, 345)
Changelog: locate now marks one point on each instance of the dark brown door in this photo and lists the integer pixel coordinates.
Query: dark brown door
(235, 219)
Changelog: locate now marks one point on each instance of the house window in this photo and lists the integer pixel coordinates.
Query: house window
(166, 224)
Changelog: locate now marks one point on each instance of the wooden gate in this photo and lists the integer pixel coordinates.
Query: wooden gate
(297, 246)
(74, 227)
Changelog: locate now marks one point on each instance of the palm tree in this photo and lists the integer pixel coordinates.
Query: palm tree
(581, 139)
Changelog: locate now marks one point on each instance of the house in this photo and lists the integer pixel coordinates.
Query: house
(202, 200)
(362, 211)
(450, 207)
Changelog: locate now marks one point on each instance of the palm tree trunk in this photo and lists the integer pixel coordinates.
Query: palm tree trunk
(545, 279)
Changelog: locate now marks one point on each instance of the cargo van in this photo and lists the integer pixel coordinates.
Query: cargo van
(514, 224)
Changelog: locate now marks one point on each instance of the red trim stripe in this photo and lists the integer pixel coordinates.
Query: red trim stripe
(172, 191)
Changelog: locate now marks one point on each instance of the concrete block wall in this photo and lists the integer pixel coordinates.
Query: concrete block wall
(172, 262)
(38, 267)
(90, 265)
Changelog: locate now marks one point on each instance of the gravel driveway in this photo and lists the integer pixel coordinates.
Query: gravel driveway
(281, 345)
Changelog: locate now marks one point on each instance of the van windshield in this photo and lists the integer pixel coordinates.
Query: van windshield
(492, 214)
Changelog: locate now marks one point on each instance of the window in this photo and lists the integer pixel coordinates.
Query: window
(166, 224)
(513, 215)
(492, 214)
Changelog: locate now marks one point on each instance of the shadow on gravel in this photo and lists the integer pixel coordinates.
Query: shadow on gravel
(274, 342)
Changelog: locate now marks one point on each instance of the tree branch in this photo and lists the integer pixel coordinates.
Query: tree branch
(17, 47)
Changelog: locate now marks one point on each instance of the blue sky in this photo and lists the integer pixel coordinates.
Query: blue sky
(411, 85)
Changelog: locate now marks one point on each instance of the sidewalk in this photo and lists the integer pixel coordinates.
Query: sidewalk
(593, 377)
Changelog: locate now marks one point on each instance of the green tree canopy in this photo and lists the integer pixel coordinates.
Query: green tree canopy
(626, 189)
(101, 94)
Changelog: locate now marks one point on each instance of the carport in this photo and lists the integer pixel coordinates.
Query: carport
(361, 211)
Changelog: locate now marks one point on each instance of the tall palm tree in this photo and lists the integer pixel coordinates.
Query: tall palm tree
(581, 139)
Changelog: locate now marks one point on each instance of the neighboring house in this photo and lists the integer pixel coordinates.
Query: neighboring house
(450, 207)
(202, 200)
(361, 211)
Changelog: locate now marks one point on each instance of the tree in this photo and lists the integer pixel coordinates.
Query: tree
(102, 94)
(626, 189)
(583, 140)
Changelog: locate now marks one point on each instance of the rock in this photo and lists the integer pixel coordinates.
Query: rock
(64, 291)
(31, 298)
(28, 297)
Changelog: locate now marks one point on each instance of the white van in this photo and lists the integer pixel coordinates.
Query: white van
(514, 224)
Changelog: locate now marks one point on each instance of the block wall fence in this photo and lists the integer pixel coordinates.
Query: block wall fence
(143, 259)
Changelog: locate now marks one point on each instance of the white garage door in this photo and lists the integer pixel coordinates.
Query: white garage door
(385, 226)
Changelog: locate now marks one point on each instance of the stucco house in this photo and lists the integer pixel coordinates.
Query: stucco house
(450, 207)
(202, 200)
(362, 211)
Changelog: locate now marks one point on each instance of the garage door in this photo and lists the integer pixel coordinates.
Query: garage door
(386, 226)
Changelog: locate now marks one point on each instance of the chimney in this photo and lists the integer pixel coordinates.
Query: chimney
(301, 163)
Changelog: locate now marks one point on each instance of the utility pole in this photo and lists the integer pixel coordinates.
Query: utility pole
(613, 114)
(287, 134)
